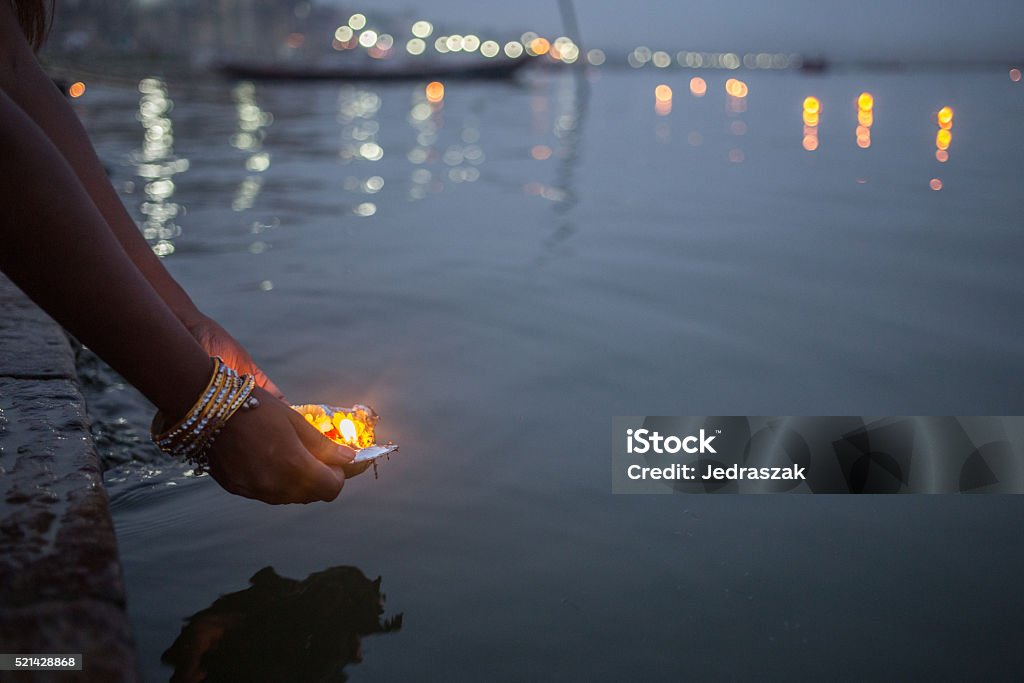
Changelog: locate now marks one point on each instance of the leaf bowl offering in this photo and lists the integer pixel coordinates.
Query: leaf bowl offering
(354, 427)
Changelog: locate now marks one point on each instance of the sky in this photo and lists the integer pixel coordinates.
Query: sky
(887, 29)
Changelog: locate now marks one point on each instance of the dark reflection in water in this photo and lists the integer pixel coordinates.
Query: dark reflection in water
(280, 629)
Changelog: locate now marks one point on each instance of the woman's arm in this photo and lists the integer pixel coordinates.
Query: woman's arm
(28, 86)
(55, 245)
(57, 248)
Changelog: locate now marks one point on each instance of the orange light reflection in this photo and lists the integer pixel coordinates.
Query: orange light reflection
(945, 118)
(540, 152)
(434, 91)
(811, 116)
(865, 119)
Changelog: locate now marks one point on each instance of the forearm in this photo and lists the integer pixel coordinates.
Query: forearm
(24, 81)
(56, 246)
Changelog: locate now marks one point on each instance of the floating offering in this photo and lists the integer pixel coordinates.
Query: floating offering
(354, 427)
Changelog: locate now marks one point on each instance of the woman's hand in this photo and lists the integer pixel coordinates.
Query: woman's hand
(272, 454)
(217, 342)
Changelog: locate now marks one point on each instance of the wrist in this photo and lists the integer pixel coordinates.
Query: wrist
(191, 437)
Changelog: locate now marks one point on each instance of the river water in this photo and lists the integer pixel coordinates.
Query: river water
(499, 274)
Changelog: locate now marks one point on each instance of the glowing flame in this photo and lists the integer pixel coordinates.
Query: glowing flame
(348, 430)
(349, 426)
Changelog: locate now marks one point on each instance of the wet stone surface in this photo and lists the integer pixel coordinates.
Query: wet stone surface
(60, 577)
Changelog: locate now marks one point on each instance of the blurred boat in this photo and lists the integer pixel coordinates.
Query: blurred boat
(815, 64)
(447, 69)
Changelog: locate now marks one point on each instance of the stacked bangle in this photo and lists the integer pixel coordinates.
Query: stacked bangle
(225, 394)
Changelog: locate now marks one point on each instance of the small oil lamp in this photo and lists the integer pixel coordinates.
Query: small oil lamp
(354, 427)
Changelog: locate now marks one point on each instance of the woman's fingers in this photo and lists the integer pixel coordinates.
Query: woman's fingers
(322, 448)
(326, 482)
(272, 454)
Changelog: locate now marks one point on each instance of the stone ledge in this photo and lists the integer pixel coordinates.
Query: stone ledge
(60, 576)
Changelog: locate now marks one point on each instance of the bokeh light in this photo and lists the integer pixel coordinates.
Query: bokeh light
(368, 38)
(454, 43)
(865, 119)
(935, 184)
(76, 89)
(539, 46)
(434, 91)
(943, 139)
(811, 114)
(945, 118)
(736, 88)
(663, 100)
(698, 86)
(489, 49)
(513, 49)
(422, 28)
(540, 152)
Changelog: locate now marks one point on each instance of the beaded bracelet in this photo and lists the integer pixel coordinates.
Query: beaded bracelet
(191, 438)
